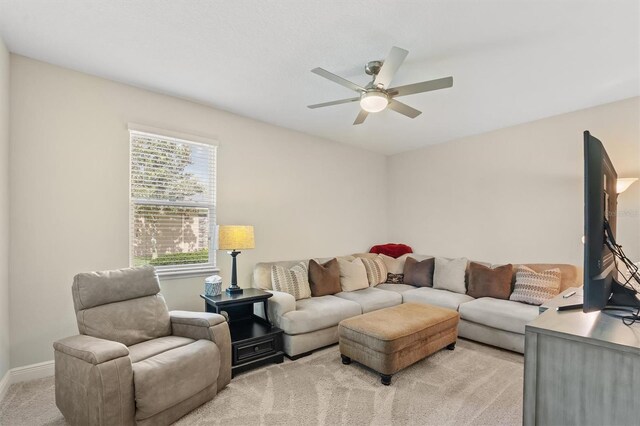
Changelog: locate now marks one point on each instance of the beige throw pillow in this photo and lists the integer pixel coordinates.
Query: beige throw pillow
(535, 288)
(376, 270)
(394, 266)
(353, 275)
(449, 274)
(294, 281)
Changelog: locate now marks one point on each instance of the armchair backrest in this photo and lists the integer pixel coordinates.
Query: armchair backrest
(123, 305)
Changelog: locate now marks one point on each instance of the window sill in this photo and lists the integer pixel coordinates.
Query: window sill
(169, 273)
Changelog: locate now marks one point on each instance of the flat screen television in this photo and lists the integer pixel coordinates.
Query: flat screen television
(604, 258)
(600, 204)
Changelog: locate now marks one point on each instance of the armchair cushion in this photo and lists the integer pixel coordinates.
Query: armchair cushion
(176, 375)
(128, 322)
(206, 327)
(144, 350)
(91, 349)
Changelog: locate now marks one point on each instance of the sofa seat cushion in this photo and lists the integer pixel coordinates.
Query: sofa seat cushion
(398, 288)
(497, 313)
(437, 297)
(317, 313)
(372, 299)
(189, 369)
(144, 350)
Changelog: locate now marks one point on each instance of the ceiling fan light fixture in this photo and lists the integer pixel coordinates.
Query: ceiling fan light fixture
(374, 101)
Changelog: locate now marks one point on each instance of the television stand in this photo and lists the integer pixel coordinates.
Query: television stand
(581, 369)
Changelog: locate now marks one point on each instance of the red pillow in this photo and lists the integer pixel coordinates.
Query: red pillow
(391, 249)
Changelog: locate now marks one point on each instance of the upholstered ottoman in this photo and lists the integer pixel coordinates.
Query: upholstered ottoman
(391, 339)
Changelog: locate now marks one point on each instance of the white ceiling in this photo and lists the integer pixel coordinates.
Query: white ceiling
(512, 61)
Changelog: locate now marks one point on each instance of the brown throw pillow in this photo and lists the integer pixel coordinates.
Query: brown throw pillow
(324, 279)
(490, 282)
(418, 273)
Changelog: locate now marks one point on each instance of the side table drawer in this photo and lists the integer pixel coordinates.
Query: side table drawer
(246, 351)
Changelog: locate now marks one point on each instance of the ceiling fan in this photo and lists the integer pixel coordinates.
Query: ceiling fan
(377, 95)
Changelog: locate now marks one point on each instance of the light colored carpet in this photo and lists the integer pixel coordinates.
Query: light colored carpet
(475, 384)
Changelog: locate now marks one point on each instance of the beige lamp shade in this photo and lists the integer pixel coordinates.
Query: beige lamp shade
(235, 237)
(623, 184)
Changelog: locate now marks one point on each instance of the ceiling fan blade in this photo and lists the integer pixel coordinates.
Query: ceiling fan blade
(326, 104)
(362, 115)
(390, 66)
(337, 79)
(404, 109)
(425, 86)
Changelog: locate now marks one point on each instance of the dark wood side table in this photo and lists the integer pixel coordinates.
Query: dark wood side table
(254, 341)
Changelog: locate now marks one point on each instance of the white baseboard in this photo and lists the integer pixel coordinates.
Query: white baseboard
(32, 372)
(4, 384)
(25, 373)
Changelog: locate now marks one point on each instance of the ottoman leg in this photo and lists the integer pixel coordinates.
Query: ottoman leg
(451, 346)
(345, 359)
(385, 379)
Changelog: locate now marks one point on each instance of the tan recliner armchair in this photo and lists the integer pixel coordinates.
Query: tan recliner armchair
(135, 362)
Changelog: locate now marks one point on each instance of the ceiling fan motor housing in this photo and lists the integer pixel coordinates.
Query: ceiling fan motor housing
(373, 67)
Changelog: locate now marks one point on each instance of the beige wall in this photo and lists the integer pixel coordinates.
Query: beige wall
(69, 175)
(4, 209)
(510, 195)
(515, 194)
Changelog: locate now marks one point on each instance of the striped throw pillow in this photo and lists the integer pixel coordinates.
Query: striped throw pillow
(294, 281)
(535, 288)
(376, 270)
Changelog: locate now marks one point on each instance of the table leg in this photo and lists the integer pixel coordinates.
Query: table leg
(266, 312)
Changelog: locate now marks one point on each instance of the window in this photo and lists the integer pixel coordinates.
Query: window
(172, 204)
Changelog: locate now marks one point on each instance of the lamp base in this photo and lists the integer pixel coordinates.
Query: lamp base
(234, 290)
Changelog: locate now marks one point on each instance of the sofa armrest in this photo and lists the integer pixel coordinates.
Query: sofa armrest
(206, 326)
(280, 303)
(277, 305)
(91, 349)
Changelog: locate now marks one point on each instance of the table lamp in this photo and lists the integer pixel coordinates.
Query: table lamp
(235, 238)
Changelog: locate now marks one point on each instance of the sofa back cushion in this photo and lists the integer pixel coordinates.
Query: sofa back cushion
(353, 275)
(121, 305)
(394, 266)
(493, 282)
(449, 274)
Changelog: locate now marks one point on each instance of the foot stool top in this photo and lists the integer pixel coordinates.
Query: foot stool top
(392, 329)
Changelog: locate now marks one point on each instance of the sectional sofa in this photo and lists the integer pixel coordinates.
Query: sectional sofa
(312, 323)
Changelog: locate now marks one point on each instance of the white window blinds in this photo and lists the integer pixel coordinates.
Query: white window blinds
(172, 203)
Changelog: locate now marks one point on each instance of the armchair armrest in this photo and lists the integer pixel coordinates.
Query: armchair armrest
(207, 326)
(200, 319)
(91, 349)
(94, 381)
